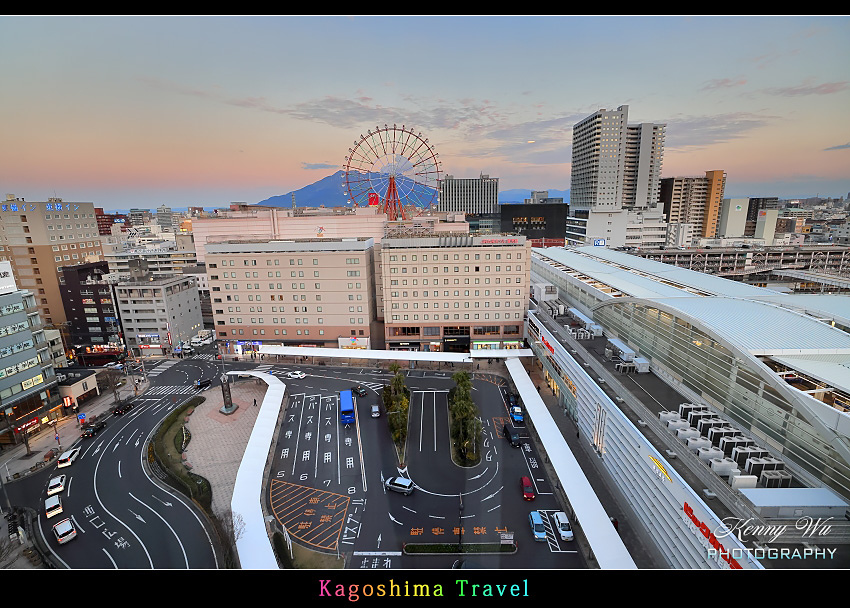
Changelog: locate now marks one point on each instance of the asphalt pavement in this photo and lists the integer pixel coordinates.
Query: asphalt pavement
(219, 442)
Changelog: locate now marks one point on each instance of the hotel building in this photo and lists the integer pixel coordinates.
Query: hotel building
(303, 292)
(455, 293)
(39, 238)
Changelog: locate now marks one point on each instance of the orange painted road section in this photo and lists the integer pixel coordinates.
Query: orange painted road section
(312, 517)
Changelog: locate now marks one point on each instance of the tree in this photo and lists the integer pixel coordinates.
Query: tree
(465, 423)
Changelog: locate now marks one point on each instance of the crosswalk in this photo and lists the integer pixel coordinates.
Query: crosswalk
(162, 367)
(171, 390)
(264, 368)
(205, 357)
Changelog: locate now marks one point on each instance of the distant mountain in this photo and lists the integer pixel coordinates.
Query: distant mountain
(327, 191)
(330, 192)
(507, 197)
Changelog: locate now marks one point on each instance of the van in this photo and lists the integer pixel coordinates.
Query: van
(399, 484)
(52, 506)
(68, 458)
(562, 525)
(511, 434)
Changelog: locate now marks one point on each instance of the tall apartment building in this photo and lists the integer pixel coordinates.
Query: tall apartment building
(615, 165)
(475, 196)
(93, 324)
(694, 200)
(616, 169)
(39, 238)
(157, 314)
(455, 293)
(303, 292)
(29, 397)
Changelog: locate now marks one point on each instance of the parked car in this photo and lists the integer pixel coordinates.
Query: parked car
(516, 414)
(359, 391)
(64, 531)
(527, 488)
(399, 484)
(295, 375)
(511, 434)
(562, 525)
(537, 527)
(93, 428)
(66, 459)
(56, 485)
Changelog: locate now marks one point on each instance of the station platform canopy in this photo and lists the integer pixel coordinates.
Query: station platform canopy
(394, 355)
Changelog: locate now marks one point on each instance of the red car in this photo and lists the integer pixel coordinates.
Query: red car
(527, 488)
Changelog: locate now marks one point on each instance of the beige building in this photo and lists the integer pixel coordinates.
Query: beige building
(39, 238)
(300, 292)
(694, 200)
(455, 293)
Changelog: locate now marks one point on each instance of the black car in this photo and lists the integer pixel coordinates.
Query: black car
(202, 384)
(359, 391)
(122, 409)
(90, 430)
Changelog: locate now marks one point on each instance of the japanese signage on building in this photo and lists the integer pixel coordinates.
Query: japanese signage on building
(7, 279)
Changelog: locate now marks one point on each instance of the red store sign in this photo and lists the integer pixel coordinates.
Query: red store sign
(703, 528)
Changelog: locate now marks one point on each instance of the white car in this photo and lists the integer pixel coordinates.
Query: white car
(52, 506)
(296, 375)
(56, 485)
(67, 458)
(562, 525)
(64, 531)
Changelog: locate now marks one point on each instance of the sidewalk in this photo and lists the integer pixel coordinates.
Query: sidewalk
(15, 460)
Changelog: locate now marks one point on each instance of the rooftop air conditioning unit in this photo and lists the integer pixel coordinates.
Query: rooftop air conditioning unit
(695, 443)
(688, 433)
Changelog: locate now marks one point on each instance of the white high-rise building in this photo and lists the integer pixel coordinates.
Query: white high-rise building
(616, 167)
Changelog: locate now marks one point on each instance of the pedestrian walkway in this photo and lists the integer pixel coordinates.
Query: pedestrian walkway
(162, 367)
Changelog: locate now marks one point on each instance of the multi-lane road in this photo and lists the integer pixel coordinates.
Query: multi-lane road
(125, 517)
(326, 482)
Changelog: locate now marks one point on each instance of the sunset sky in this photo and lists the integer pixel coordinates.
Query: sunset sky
(145, 111)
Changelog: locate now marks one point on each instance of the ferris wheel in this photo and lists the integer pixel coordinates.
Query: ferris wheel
(392, 168)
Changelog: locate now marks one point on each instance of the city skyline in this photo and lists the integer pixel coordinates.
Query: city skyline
(182, 111)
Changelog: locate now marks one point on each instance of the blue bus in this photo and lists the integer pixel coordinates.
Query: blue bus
(346, 407)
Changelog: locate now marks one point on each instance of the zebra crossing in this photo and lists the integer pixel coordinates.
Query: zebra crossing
(205, 357)
(171, 390)
(264, 368)
(162, 367)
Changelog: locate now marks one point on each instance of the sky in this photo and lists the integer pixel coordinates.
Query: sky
(143, 111)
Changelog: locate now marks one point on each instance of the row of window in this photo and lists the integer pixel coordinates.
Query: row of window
(276, 262)
(435, 257)
(456, 316)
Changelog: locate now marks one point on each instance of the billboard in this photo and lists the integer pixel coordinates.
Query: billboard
(7, 279)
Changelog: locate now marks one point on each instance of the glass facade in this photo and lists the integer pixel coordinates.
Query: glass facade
(728, 382)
